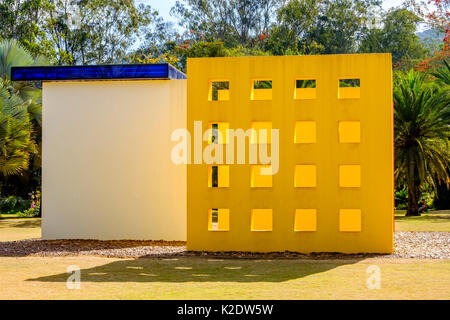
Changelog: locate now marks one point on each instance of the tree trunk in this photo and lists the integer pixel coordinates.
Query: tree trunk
(413, 200)
(413, 189)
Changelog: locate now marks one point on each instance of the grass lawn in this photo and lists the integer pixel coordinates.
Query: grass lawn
(203, 278)
(19, 228)
(432, 221)
(197, 278)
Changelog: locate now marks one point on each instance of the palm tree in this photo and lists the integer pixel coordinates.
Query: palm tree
(20, 113)
(422, 132)
(442, 79)
(442, 75)
(15, 135)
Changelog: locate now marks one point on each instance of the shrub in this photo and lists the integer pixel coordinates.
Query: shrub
(32, 212)
(401, 199)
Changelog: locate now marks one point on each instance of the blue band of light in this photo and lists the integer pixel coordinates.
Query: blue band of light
(99, 72)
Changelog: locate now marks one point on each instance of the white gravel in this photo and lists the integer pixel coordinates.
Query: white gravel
(408, 244)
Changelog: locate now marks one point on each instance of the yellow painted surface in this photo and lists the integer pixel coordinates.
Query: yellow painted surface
(349, 132)
(257, 179)
(223, 176)
(305, 132)
(261, 94)
(305, 93)
(374, 153)
(261, 220)
(349, 93)
(305, 176)
(259, 129)
(106, 160)
(350, 220)
(305, 220)
(222, 127)
(350, 176)
(223, 223)
(223, 95)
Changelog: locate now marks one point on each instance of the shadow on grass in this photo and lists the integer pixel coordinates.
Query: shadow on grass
(425, 218)
(201, 270)
(20, 223)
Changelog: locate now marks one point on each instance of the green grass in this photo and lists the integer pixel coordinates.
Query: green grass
(432, 221)
(8, 215)
(202, 278)
(17, 229)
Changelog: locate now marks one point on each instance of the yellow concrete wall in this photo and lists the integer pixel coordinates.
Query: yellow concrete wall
(107, 169)
(356, 218)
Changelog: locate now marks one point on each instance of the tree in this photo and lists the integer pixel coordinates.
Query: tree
(422, 133)
(20, 115)
(341, 24)
(398, 36)
(295, 21)
(75, 31)
(442, 79)
(94, 31)
(442, 75)
(229, 21)
(15, 135)
(22, 20)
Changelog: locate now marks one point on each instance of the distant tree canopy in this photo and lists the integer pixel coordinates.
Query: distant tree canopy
(75, 31)
(112, 31)
(397, 35)
(297, 27)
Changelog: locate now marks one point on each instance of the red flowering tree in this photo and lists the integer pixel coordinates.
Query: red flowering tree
(438, 18)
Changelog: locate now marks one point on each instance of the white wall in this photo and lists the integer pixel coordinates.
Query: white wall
(107, 171)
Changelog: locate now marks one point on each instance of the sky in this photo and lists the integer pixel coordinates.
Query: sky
(164, 6)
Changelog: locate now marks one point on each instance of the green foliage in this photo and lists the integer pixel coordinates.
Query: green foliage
(295, 21)
(229, 21)
(442, 75)
(401, 199)
(22, 20)
(15, 135)
(74, 31)
(398, 37)
(20, 114)
(340, 24)
(13, 204)
(29, 213)
(422, 133)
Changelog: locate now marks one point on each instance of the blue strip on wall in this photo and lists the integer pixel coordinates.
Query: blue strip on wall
(123, 71)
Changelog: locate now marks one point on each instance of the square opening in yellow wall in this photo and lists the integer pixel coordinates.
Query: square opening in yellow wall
(219, 176)
(305, 89)
(305, 132)
(259, 180)
(218, 132)
(219, 90)
(305, 220)
(261, 132)
(218, 219)
(349, 88)
(350, 176)
(261, 89)
(349, 132)
(305, 176)
(350, 220)
(261, 220)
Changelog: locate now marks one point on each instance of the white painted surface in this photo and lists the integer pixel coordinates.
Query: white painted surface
(107, 171)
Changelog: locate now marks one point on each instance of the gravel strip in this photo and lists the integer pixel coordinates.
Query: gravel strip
(421, 245)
